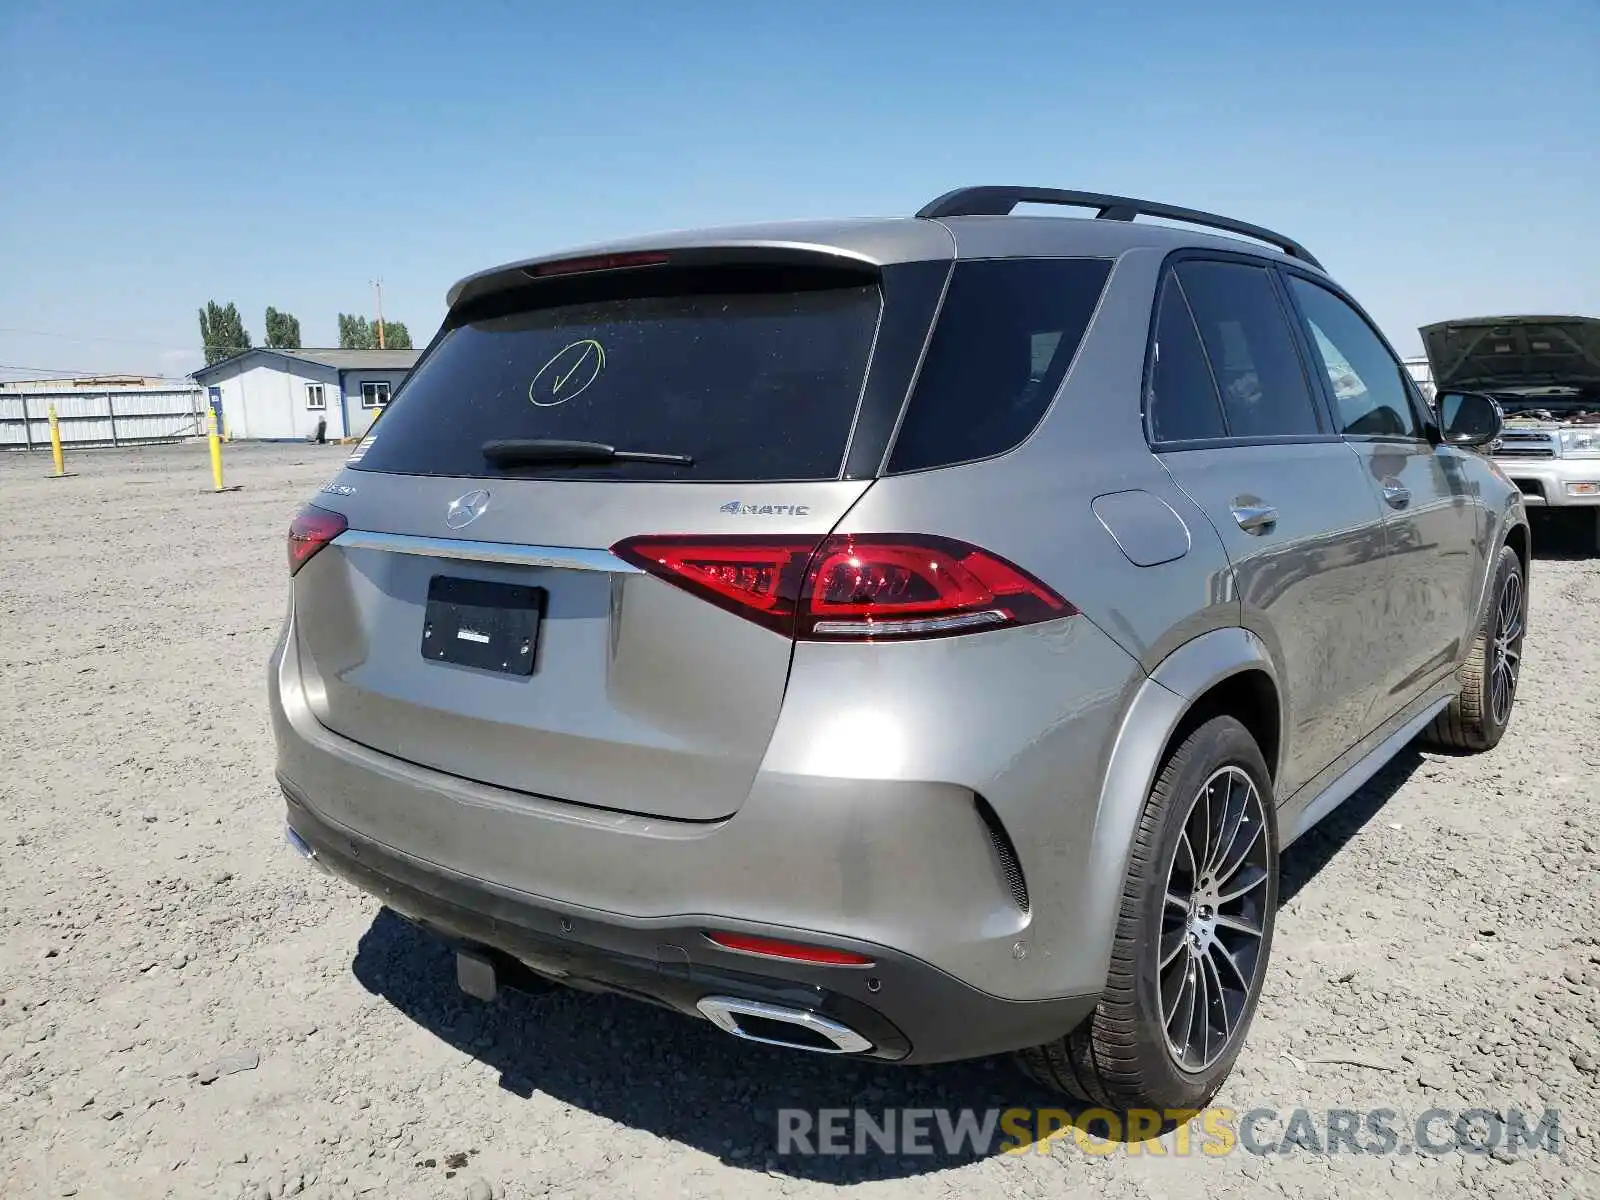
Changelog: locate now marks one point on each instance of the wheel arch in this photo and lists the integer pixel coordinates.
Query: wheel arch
(1227, 671)
(1511, 530)
(1247, 691)
(1518, 538)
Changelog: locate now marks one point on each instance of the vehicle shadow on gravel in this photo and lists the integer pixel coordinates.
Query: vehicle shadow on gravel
(676, 1077)
(1302, 861)
(1565, 536)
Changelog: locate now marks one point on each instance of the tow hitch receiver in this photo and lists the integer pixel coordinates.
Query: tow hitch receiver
(475, 975)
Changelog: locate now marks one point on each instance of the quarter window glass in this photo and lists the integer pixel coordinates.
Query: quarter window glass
(1007, 333)
(1249, 345)
(1183, 402)
(1370, 396)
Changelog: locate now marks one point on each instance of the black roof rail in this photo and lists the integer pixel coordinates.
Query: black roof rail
(998, 201)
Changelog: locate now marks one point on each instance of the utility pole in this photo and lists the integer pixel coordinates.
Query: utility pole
(377, 286)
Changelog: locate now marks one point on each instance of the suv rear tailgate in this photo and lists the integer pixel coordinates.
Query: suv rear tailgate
(641, 696)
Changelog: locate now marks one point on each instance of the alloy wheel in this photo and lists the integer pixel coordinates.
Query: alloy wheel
(1506, 650)
(1214, 919)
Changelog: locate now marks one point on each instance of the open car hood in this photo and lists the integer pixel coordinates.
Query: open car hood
(1491, 353)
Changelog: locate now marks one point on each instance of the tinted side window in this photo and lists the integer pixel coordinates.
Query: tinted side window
(1183, 400)
(1251, 349)
(1368, 385)
(1007, 332)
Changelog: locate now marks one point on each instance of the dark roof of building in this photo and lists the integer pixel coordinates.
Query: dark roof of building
(339, 360)
(91, 383)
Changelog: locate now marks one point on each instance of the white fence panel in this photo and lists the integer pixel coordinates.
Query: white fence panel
(106, 418)
(13, 429)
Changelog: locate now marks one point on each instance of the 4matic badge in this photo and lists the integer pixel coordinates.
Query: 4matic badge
(739, 508)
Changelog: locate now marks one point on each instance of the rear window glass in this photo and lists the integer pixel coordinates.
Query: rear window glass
(756, 376)
(1007, 333)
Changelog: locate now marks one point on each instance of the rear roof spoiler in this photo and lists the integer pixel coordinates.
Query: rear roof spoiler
(621, 261)
(998, 201)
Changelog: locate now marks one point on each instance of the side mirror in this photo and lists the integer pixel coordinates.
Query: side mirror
(1469, 418)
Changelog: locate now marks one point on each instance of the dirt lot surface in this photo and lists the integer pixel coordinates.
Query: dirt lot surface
(188, 1010)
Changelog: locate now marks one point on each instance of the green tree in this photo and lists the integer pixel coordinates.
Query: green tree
(283, 330)
(222, 333)
(358, 333)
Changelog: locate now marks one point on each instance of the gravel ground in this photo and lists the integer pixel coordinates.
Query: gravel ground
(186, 1010)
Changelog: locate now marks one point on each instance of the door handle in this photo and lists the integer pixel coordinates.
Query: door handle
(1396, 494)
(1255, 518)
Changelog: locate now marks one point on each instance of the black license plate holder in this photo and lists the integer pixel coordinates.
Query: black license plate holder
(484, 624)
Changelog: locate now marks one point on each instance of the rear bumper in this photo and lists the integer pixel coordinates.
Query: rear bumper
(907, 1010)
(951, 821)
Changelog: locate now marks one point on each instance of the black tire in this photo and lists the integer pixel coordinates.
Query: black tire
(1477, 718)
(1121, 1056)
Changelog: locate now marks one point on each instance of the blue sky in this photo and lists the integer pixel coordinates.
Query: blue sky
(1440, 158)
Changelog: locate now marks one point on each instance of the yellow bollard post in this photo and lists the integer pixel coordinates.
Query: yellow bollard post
(216, 450)
(55, 444)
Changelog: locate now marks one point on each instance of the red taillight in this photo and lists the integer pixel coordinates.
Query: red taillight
(311, 530)
(756, 577)
(598, 262)
(793, 951)
(908, 586)
(851, 587)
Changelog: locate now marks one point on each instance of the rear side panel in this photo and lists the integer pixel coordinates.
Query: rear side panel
(1057, 504)
(1085, 506)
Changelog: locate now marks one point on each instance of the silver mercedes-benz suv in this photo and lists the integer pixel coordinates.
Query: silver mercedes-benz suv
(914, 639)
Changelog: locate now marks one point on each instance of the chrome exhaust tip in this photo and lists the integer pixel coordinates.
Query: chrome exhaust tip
(755, 1021)
(301, 847)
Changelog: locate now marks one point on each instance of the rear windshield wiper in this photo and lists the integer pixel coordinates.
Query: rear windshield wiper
(528, 452)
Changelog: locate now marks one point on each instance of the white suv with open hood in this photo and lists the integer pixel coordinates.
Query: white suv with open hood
(1545, 374)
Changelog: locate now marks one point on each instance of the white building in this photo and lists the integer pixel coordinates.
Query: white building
(280, 395)
(1422, 373)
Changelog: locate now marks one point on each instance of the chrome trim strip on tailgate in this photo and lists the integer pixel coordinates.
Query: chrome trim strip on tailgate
(568, 558)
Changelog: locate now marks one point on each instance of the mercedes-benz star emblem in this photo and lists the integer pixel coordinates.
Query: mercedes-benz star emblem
(464, 510)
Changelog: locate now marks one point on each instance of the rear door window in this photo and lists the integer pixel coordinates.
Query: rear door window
(1250, 347)
(754, 374)
(1006, 334)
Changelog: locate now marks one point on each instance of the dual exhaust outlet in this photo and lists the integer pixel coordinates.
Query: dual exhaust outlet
(749, 1020)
